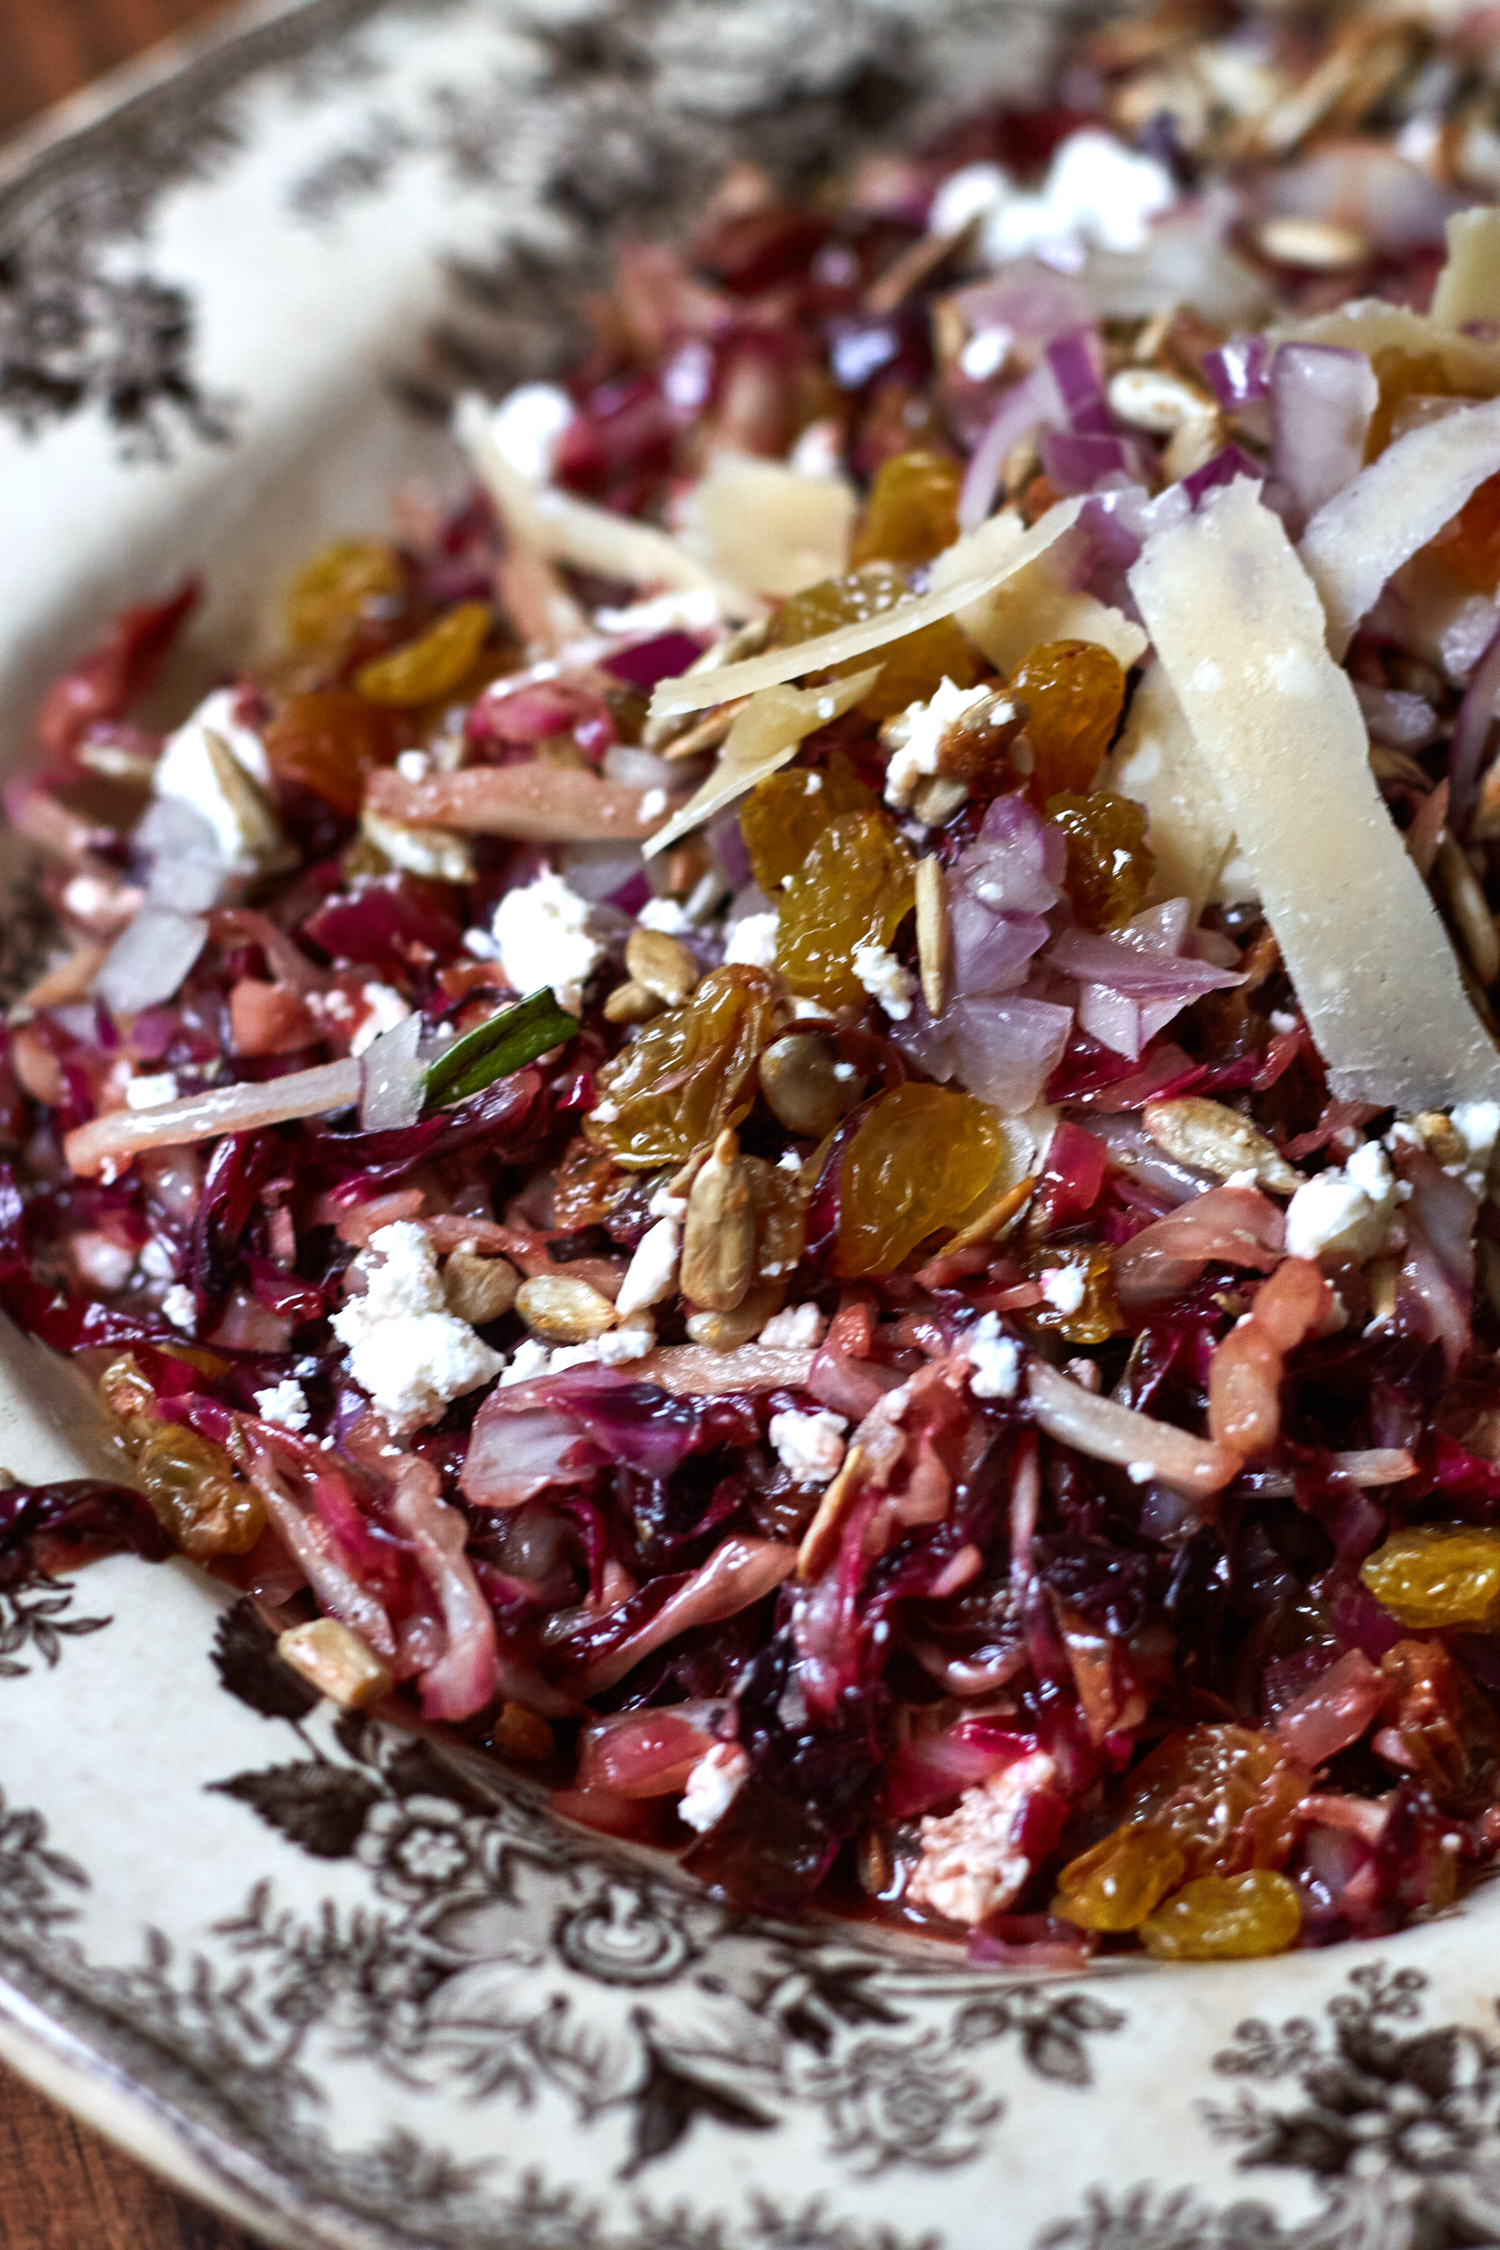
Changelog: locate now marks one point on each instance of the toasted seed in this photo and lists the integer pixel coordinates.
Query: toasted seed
(718, 1234)
(254, 814)
(799, 1078)
(1149, 398)
(662, 964)
(934, 933)
(1216, 1138)
(874, 1862)
(334, 1659)
(995, 1218)
(562, 751)
(820, 1540)
(1476, 924)
(939, 799)
(479, 1289)
(1318, 245)
(562, 1310)
(723, 1331)
(705, 733)
(431, 852)
(632, 1003)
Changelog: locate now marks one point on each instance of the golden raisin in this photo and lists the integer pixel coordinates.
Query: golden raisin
(197, 1495)
(1224, 1793)
(424, 669)
(1402, 375)
(1109, 866)
(1079, 1304)
(912, 669)
(1432, 1575)
(1115, 1886)
(922, 1158)
(1074, 692)
(1470, 544)
(854, 888)
(913, 511)
(331, 743)
(784, 815)
(687, 1074)
(339, 590)
(1225, 1918)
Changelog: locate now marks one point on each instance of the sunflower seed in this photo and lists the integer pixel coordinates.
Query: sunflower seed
(333, 1659)
(632, 1003)
(934, 934)
(1216, 1138)
(718, 1235)
(1476, 924)
(562, 1310)
(662, 964)
(722, 1331)
(479, 1289)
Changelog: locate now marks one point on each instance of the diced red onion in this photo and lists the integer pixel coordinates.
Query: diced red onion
(1076, 460)
(1322, 399)
(1033, 403)
(1400, 719)
(1334, 1711)
(392, 1081)
(1131, 969)
(1229, 462)
(1006, 1048)
(1239, 371)
(149, 959)
(1075, 361)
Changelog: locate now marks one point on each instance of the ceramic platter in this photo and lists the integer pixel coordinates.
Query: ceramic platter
(351, 1990)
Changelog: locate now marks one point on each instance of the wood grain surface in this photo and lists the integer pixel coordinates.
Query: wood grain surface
(61, 2186)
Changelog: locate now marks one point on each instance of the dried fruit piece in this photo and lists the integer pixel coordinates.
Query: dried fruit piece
(688, 1074)
(1224, 1793)
(1225, 1918)
(922, 1158)
(1433, 1575)
(196, 1494)
(1109, 866)
(424, 669)
(912, 513)
(911, 668)
(1074, 692)
(1442, 1727)
(855, 888)
(1077, 1279)
(330, 743)
(1402, 375)
(784, 815)
(1116, 1885)
(1470, 544)
(333, 595)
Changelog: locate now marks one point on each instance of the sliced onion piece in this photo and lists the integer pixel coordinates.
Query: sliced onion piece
(149, 959)
(1108, 1432)
(697, 1371)
(534, 804)
(1360, 538)
(393, 1079)
(123, 1133)
(972, 572)
(1373, 1466)
(1323, 398)
(1239, 632)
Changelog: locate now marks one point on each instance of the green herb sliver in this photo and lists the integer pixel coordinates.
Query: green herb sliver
(492, 1050)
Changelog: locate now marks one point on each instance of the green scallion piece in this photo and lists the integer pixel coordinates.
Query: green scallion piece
(493, 1050)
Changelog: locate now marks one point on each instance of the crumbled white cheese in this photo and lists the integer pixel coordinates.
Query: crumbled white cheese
(384, 1009)
(617, 1347)
(1477, 1125)
(691, 609)
(1097, 192)
(972, 192)
(180, 1306)
(150, 1092)
(185, 771)
(156, 1262)
(819, 451)
(665, 1205)
(527, 427)
(985, 354)
(811, 1445)
(1346, 1211)
(925, 724)
(1282, 1022)
(652, 1272)
(653, 804)
(994, 1357)
(712, 1786)
(885, 980)
(1064, 1287)
(285, 1403)
(753, 940)
(406, 1349)
(481, 945)
(664, 914)
(789, 1161)
(1140, 1472)
(535, 1358)
(798, 1328)
(972, 1863)
(542, 933)
(412, 765)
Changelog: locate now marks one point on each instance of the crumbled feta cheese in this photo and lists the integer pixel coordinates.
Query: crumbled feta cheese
(384, 1009)
(885, 980)
(1140, 1472)
(799, 1328)
(185, 771)
(527, 427)
(819, 451)
(665, 1205)
(985, 354)
(1063, 1287)
(653, 804)
(789, 1161)
(104, 1264)
(664, 914)
(412, 765)
(970, 193)
(156, 1262)
(1282, 1022)
(535, 1358)
(753, 940)
(1477, 1125)
(481, 945)
(652, 1272)
(690, 609)
(712, 1786)
(150, 1092)
(972, 1863)
(916, 758)
(1096, 191)
(406, 1349)
(542, 933)
(811, 1445)
(994, 1357)
(1344, 1211)
(285, 1403)
(617, 1347)
(1248, 1177)
(180, 1306)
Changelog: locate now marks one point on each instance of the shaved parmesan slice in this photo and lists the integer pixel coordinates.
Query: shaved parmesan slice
(768, 528)
(1033, 607)
(1238, 631)
(1158, 763)
(1363, 535)
(1468, 288)
(763, 738)
(1369, 324)
(558, 526)
(1003, 552)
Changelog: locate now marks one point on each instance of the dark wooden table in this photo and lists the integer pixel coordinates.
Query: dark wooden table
(61, 2186)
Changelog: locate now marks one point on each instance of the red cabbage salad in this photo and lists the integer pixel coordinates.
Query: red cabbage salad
(796, 1116)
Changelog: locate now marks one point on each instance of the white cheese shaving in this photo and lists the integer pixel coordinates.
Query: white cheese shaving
(764, 737)
(1468, 288)
(1158, 763)
(1239, 632)
(150, 1092)
(767, 527)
